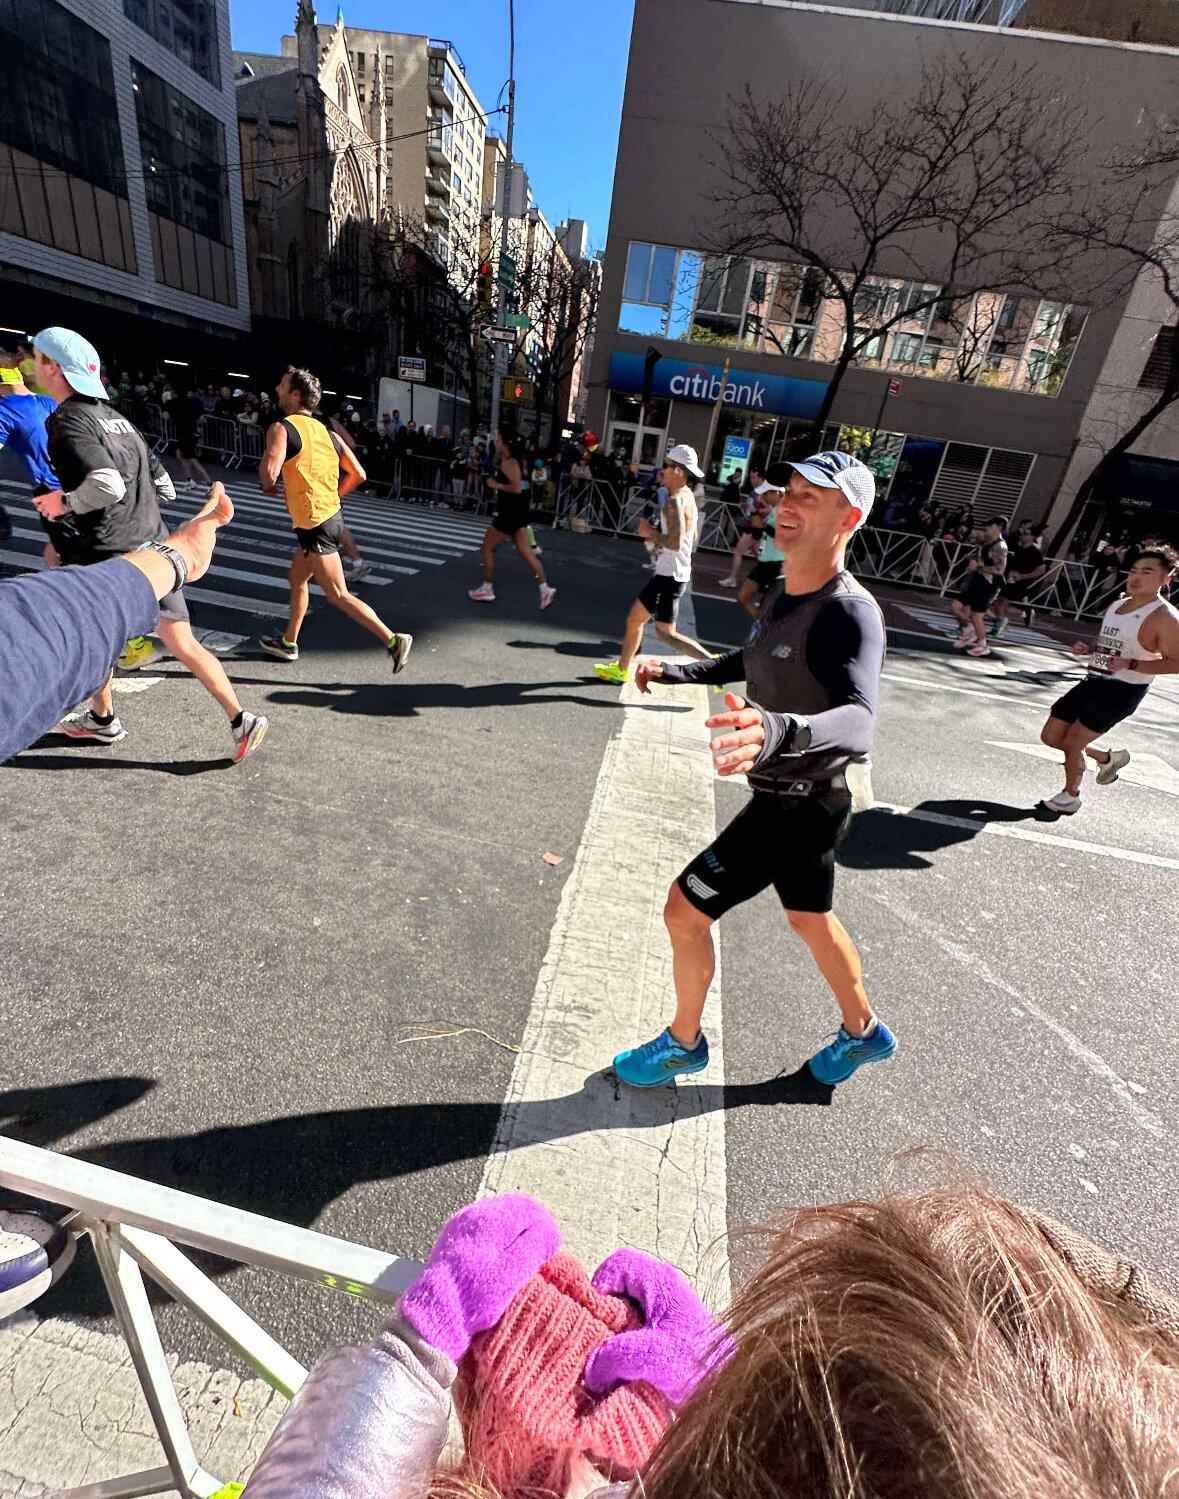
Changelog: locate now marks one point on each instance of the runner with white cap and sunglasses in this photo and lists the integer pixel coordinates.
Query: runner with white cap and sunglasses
(812, 664)
(675, 540)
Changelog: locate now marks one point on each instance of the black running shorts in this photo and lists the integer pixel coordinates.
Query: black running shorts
(979, 592)
(508, 521)
(765, 575)
(661, 598)
(785, 841)
(323, 539)
(1099, 702)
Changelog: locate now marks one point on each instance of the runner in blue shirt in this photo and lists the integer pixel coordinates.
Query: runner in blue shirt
(22, 428)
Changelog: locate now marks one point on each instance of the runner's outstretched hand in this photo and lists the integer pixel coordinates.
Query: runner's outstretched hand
(735, 753)
(647, 672)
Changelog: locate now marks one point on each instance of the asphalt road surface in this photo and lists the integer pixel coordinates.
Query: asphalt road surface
(207, 970)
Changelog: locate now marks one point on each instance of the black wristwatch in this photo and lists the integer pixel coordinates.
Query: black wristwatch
(800, 740)
(179, 565)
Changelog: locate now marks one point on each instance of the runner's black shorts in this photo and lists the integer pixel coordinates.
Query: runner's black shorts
(765, 575)
(979, 592)
(1099, 702)
(323, 539)
(508, 522)
(785, 841)
(661, 597)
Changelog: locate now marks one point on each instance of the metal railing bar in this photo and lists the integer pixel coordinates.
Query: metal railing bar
(173, 1270)
(111, 1197)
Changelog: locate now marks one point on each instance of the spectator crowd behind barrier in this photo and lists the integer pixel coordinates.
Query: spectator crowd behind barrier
(1080, 590)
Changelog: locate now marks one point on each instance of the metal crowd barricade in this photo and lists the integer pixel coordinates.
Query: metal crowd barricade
(251, 442)
(422, 476)
(218, 435)
(134, 1227)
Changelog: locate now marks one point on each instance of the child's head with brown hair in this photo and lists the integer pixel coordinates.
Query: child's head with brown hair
(944, 1344)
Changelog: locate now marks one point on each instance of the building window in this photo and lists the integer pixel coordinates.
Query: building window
(360, 92)
(183, 147)
(62, 178)
(360, 65)
(188, 28)
(1160, 366)
(59, 93)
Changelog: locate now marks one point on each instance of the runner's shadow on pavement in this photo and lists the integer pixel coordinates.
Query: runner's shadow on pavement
(87, 761)
(565, 647)
(391, 700)
(880, 839)
(294, 1167)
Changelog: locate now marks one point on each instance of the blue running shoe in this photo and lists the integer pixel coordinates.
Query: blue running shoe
(836, 1063)
(659, 1061)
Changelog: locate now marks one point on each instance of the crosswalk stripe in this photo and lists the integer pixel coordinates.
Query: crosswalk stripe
(252, 558)
(942, 621)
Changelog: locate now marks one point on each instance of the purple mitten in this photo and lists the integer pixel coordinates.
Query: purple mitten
(483, 1256)
(680, 1343)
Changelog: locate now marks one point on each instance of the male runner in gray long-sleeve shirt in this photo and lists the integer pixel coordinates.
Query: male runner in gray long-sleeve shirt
(812, 665)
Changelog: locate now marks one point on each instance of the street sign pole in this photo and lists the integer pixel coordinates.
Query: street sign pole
(503, 241)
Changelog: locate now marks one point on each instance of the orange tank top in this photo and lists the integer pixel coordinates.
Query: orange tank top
(311, 479)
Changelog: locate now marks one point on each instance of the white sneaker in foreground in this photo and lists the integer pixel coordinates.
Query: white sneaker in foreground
(484, 594)
(547, 595)
(86, 726)
(1063, 802)
(249, 735)
(1108, 774)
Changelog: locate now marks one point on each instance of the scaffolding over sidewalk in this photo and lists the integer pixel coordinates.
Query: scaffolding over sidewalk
(135, 1227)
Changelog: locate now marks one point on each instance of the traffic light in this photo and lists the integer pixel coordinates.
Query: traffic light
(484, 281)
(518, 392)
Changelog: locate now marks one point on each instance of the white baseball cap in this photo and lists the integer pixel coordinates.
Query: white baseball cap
(686, 458)
(853, 479)
(78, 359)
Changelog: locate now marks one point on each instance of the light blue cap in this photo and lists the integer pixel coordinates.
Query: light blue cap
(79, 360)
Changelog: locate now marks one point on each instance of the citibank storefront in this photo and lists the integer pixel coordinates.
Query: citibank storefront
(685, 401)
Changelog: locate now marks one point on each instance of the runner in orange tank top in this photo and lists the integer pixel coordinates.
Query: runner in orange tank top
(310, 458)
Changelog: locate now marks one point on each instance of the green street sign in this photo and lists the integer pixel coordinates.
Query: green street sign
(517, 320)
(506, 275)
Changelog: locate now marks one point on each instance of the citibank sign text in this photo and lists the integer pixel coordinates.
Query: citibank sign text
(703, 385)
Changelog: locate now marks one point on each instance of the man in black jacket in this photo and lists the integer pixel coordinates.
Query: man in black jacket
(811, 664)
(108, 505)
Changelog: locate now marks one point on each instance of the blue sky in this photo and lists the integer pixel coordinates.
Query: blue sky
(570, 71)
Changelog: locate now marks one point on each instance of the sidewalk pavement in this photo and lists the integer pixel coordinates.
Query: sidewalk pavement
(72, 1412)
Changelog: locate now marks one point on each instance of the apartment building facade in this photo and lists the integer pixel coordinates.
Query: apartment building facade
(987, 402)
(120, 208)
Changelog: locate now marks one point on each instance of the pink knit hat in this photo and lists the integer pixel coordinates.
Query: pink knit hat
(524, 1409)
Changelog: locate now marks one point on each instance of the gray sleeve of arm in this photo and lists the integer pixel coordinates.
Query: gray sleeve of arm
(101, 487)
(366, 1421)
(715, 673)
(846, 654)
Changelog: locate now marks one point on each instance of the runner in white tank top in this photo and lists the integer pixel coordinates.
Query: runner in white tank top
(674, 542)
(1138, 641)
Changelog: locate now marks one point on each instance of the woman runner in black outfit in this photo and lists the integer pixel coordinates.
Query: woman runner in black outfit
(510, 521)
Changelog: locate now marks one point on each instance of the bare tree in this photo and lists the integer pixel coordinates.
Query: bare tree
(1136, 227)
(434, 308)
(949, 187)
(560, 299)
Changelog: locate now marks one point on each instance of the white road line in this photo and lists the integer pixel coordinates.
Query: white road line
(274, 541)
(1123, 1089)
(1143, 770)
(615, 1166)
(1026, 835)
(1035, 704)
